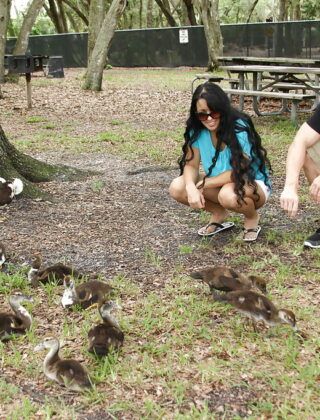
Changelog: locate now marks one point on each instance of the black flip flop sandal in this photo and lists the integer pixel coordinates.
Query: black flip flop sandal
(219, 228)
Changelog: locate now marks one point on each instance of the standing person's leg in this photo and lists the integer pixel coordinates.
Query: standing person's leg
(311, 169)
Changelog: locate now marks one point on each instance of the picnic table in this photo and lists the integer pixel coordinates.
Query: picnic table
(282, 81)
(272, 61)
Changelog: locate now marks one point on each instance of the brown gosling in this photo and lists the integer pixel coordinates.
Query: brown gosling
(85, 294)
(67, 372)
(56, 272)
(257, 307)
(17, 322)
(226, 279)
(107, 335)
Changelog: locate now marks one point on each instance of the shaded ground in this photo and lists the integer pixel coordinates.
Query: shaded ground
(119, 224)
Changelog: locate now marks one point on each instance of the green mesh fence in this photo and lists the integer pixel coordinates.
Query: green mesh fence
(174, 47)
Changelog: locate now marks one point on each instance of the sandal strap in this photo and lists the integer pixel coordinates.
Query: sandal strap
(219, 225)
(256, 229)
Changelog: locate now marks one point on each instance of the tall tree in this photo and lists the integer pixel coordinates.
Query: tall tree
(251, 10)
(149, 13)
(209, 12)
(295, 10)
(97, 14)
(53, 13)
(165, 9)
(78, 11)
(283, 10)
(29, 19)
(190, 12)
(93, 79)
(62, 16)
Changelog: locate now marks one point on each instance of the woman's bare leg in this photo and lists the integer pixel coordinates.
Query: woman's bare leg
(177, 190)
(228, 199)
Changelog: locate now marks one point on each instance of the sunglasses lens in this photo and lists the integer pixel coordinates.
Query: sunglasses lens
(203, 116)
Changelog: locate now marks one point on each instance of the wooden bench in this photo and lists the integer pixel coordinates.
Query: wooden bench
(234, 83)
(287, 86)
(295, 98)
(206, 76)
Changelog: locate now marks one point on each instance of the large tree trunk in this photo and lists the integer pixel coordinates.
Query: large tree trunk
(96, 17)
(190, 11)
(208, 10)
(149, 13)
(295, 10)
(4, 14)
(283, 10)
(14, 164)
(93, 79)
(63, 17)
(27, 24)
(253, 6)
(165, 9)
(77, 11)
(54, 16)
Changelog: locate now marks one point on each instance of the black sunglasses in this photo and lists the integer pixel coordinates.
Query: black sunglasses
(203, 116)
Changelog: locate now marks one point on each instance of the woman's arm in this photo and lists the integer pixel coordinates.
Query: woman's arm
(191, 176)
(216, 181)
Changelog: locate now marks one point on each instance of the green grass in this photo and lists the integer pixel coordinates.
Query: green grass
(128, 143)
(35, 119)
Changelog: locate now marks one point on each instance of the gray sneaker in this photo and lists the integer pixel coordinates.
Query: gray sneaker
(313, 241)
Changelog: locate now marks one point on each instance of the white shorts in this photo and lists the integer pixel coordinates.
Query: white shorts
(266, 190)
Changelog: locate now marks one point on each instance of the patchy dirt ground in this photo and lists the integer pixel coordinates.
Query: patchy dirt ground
(114, 223)
(106, 222)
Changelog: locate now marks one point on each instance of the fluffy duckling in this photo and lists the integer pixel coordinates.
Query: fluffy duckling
(85, 294)
(66, 372)
(258, 308)
(18, 322)
(9, 189)
(107, 335)
(2, 255)
(227, 280)
(56, 272)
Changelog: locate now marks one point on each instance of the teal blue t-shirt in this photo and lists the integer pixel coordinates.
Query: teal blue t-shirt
(207, 152)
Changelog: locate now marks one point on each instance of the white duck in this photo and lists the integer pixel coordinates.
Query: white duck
(9, 189)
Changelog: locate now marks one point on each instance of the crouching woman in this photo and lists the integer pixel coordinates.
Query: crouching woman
(236, 167)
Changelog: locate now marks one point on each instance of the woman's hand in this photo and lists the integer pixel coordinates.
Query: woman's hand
(195, 197)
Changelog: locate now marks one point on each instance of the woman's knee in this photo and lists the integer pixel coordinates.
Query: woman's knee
(228, 198)
(176, 189)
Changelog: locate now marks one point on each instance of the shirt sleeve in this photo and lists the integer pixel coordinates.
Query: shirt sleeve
(195, 144)
(314, 120)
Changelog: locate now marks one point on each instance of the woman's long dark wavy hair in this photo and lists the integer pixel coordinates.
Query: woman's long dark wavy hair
(242, 168)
